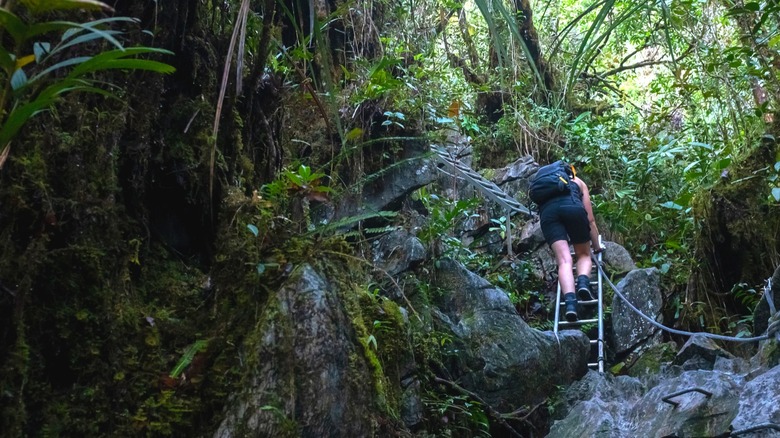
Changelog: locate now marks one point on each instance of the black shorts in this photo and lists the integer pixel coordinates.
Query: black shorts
(564, 219)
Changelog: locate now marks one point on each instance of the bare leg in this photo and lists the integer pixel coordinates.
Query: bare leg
(563, 259)
(584, 263)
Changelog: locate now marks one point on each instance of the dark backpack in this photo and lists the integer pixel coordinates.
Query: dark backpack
(551, 181)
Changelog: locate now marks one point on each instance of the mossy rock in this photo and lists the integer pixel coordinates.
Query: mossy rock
(651, 360)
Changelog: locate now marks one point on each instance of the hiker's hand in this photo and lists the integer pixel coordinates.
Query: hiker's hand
(599, 248)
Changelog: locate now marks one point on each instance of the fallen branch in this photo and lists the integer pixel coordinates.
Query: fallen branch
(490, 410)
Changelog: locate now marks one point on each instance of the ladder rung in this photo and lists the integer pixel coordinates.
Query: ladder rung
(593, 364)
(579, 322)
(594, 341)
(582, 303)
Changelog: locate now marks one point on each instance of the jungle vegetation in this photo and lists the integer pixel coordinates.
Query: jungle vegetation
(150, 150)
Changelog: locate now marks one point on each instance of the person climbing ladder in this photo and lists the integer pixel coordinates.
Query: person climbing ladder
(566, 213)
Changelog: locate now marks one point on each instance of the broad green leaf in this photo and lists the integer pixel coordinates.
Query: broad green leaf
(354, 134)
(13, 25)
(260, 268)
(19, 79)
(135, 64)
(59, 65)
(41, 6)
(701, 145)
(82, 39)
(94, 64)
(253, 229)
(70, 33)
(51, 26)
(753, 6)
(19, 117)
(722, 163)
(186, 358)
(6, 61)
(776, 193)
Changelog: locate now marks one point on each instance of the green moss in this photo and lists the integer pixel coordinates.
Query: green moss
(651, 360)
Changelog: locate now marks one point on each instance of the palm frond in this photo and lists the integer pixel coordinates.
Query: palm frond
(242, 12)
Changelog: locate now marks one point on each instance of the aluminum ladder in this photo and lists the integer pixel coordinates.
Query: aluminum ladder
(596, 344)
(487, 187)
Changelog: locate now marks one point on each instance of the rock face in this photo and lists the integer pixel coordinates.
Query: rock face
(642, 288)
(397, 251)
(701, 353)
(500, 357)
(304, 351)
(412, 171)
(759, 402)
(617, 259)
(727, 397)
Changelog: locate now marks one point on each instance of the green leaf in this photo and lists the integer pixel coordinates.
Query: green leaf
(133, 64)
(82, 39)
(722, 163)
(253, 229)
(51, 26)
(260, 268)
(13, 25)
(59, 65)
(776, 193)
(19, 116)
(701, 145)
(45, 99)
(753, 6)
(187, 357)
(6, 61)
(95, 63)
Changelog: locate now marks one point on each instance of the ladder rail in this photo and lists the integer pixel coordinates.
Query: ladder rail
(557, 323)
(487, 187)
(601, 357)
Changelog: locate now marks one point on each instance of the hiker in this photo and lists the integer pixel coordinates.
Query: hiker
(566, 214)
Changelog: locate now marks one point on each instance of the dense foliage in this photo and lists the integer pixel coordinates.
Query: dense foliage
(111, 200)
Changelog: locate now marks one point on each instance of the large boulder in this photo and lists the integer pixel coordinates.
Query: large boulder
(700, 352)
(501, 358)
(759, 402)
(387, 190)
(617, 407)
(617, 259)
(691, 414)
(642, 288)
(309, 375)
(397, 251)
(596, 405)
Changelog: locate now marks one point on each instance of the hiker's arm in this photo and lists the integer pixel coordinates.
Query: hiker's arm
(594, 230)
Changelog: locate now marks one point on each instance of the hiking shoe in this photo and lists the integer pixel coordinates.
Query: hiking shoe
(583, 288)
(571, 307)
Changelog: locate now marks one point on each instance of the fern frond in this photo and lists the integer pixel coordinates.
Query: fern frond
(347, 222)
